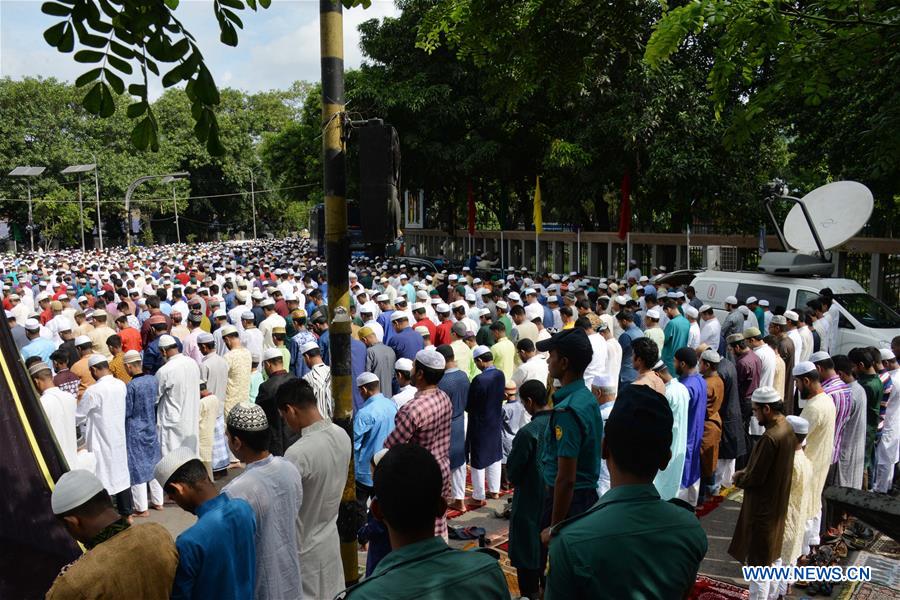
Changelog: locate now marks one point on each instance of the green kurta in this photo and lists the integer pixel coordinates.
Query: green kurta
(523, 467)
(874, 391)
(431, 570)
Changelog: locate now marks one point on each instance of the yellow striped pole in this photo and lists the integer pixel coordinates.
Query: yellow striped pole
(337, 255)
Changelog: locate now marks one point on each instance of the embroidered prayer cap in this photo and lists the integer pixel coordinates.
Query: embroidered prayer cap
(365, 378)
(132, 356)
(248, 417)
(479, 350)
(206, 338)
(711, 356)
(822, 355)
(431, 359)
(171, 462)
(802, 368)
(166, 341)
(37, 367)
(74, 489)
(97, 359)
(765, 395)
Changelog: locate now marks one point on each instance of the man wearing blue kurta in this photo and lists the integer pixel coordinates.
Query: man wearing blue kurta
(357, 366)
(677, 331)
(36, 346)
(630, 332)
(405, 342)
(371, 426)
(217, 555)
(686, 367)
(455, 384)
(484, 437)
(141, 395)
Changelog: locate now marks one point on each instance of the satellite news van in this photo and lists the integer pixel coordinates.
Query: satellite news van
(823, 219)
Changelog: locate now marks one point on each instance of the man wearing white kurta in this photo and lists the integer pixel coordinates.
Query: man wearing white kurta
(322, 455)
(272, 320)
(887, 451)
(710, 328)
(102, 410)
(820, 413)
(59, 406)
(179, 399)
(766, 356)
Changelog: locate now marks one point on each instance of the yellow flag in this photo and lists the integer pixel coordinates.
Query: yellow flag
(538, 217)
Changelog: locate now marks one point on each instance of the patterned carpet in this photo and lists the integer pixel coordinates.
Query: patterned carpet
(707, 588)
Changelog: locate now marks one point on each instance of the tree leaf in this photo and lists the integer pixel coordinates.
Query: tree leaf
(252, 4)
(201, 127)
(88, 77)
(119, 64)
(107, 102)
(236, 4)
(136, 109)
(53, 35)
(88, 56)
(213, 144)
(206, 87)
(233, 17)
(114, 81)
(142, 133)
(67, 41)
(122, 50)
(265, 3)
(137, 89)
(55, 10)
(93, 99)
(228, 35)
(172, 4)
(174, 76)
(88, 39)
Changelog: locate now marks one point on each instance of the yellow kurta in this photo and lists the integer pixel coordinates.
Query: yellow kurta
(239, 368)
(504, 353)
(821, 414)
(209, 411)
(799, 510)
(464, 361)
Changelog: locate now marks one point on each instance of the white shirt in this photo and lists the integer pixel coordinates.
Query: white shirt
(273, 488)
(597, 366)
(322, 456)
(766, 377)
(798, 346)
(405, 394)
(102, 410)
(535, 368)
(252, 339)
(694, 336)
(614, 360)
(834, 319)
(60, 409)
(603, 482)
(319, 377)
(376, 328)
(178, 409)
(822, 327)
(268, 324)
(808, 342)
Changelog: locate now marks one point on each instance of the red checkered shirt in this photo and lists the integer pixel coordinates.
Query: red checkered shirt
(425, 421)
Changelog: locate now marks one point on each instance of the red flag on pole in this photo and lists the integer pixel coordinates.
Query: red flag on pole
(625, 209)
(471, 210)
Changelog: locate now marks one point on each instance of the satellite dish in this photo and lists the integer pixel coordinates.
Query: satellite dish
(838, 211)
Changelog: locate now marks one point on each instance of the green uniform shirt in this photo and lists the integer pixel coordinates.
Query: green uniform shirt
(431, 570)
(630, 545)
(523, 468)
(574, 431)
(874, 391)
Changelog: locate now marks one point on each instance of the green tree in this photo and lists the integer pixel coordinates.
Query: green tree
(56, 216)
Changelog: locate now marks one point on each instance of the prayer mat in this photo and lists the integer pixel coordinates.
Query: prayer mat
(885, 546)
(500, 542)
(885, 571)
(867, 591)
(707, 588)
(710, 505)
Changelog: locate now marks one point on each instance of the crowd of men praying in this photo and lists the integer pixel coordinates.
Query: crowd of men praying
(610, 409)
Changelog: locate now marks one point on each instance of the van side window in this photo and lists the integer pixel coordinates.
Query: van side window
(804, 296)
(777, 296)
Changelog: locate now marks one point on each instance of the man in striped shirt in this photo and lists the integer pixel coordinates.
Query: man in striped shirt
(840, 393)
(425, 420)
(318, 377)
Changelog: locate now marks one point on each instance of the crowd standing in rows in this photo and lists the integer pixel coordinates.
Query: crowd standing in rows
(612, 408)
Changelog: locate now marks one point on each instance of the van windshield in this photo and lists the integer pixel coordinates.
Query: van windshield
(869, 311)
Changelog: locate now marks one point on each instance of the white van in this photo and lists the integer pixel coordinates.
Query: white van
(865, 320)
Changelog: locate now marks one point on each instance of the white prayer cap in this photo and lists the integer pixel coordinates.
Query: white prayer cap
(397, 315)
(220, 314)
(132, 356)
(798, 424)
(442, 308)
(791, 315)
(653, 314)
(171, 462)
(530, 292)
(422, 295)
(711, 356)
(365, 378)
(644, 279)
(257, 295)
(483, 312)
(731, 300)
(553, 299)
(691, 312)
(381, 298)
(97, 359)
(418, 306)
(453, 277)
(744, 310)
(205, 338)
(431, 359)
(765, 395)
(763, 302)
(32, 324)
(82, 299)
(37, 367)
(802, 368)
(82, 339)
(623, 300)
(515, 296)
(476, 280)
(267, 303)
(672, 294)
(751, 299)
(479, 350)
(308, 346)
(63, 324)
(403, 364)
(887, 354)
(270, 353)
(501, 304)
(817, 356)
(423, 331)
(229, 330)
(248, 315)
(705, 308)
(10, 315)
(73, 489)
(166, 341)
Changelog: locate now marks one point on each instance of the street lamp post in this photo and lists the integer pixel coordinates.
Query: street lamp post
(28, 172)
(133, 186)
(172, 179)
(79, 169)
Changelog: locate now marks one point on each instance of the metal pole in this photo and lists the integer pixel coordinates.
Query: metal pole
(578, 255)
(97, 192)
(81, 212)
(175, 202)
(502, 254)
(30, 219)
(337, 256)
(253, 202)
(689, 244)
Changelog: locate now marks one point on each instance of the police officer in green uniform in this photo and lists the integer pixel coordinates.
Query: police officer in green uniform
(571, 452)
(631, 544)
(408, 487)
